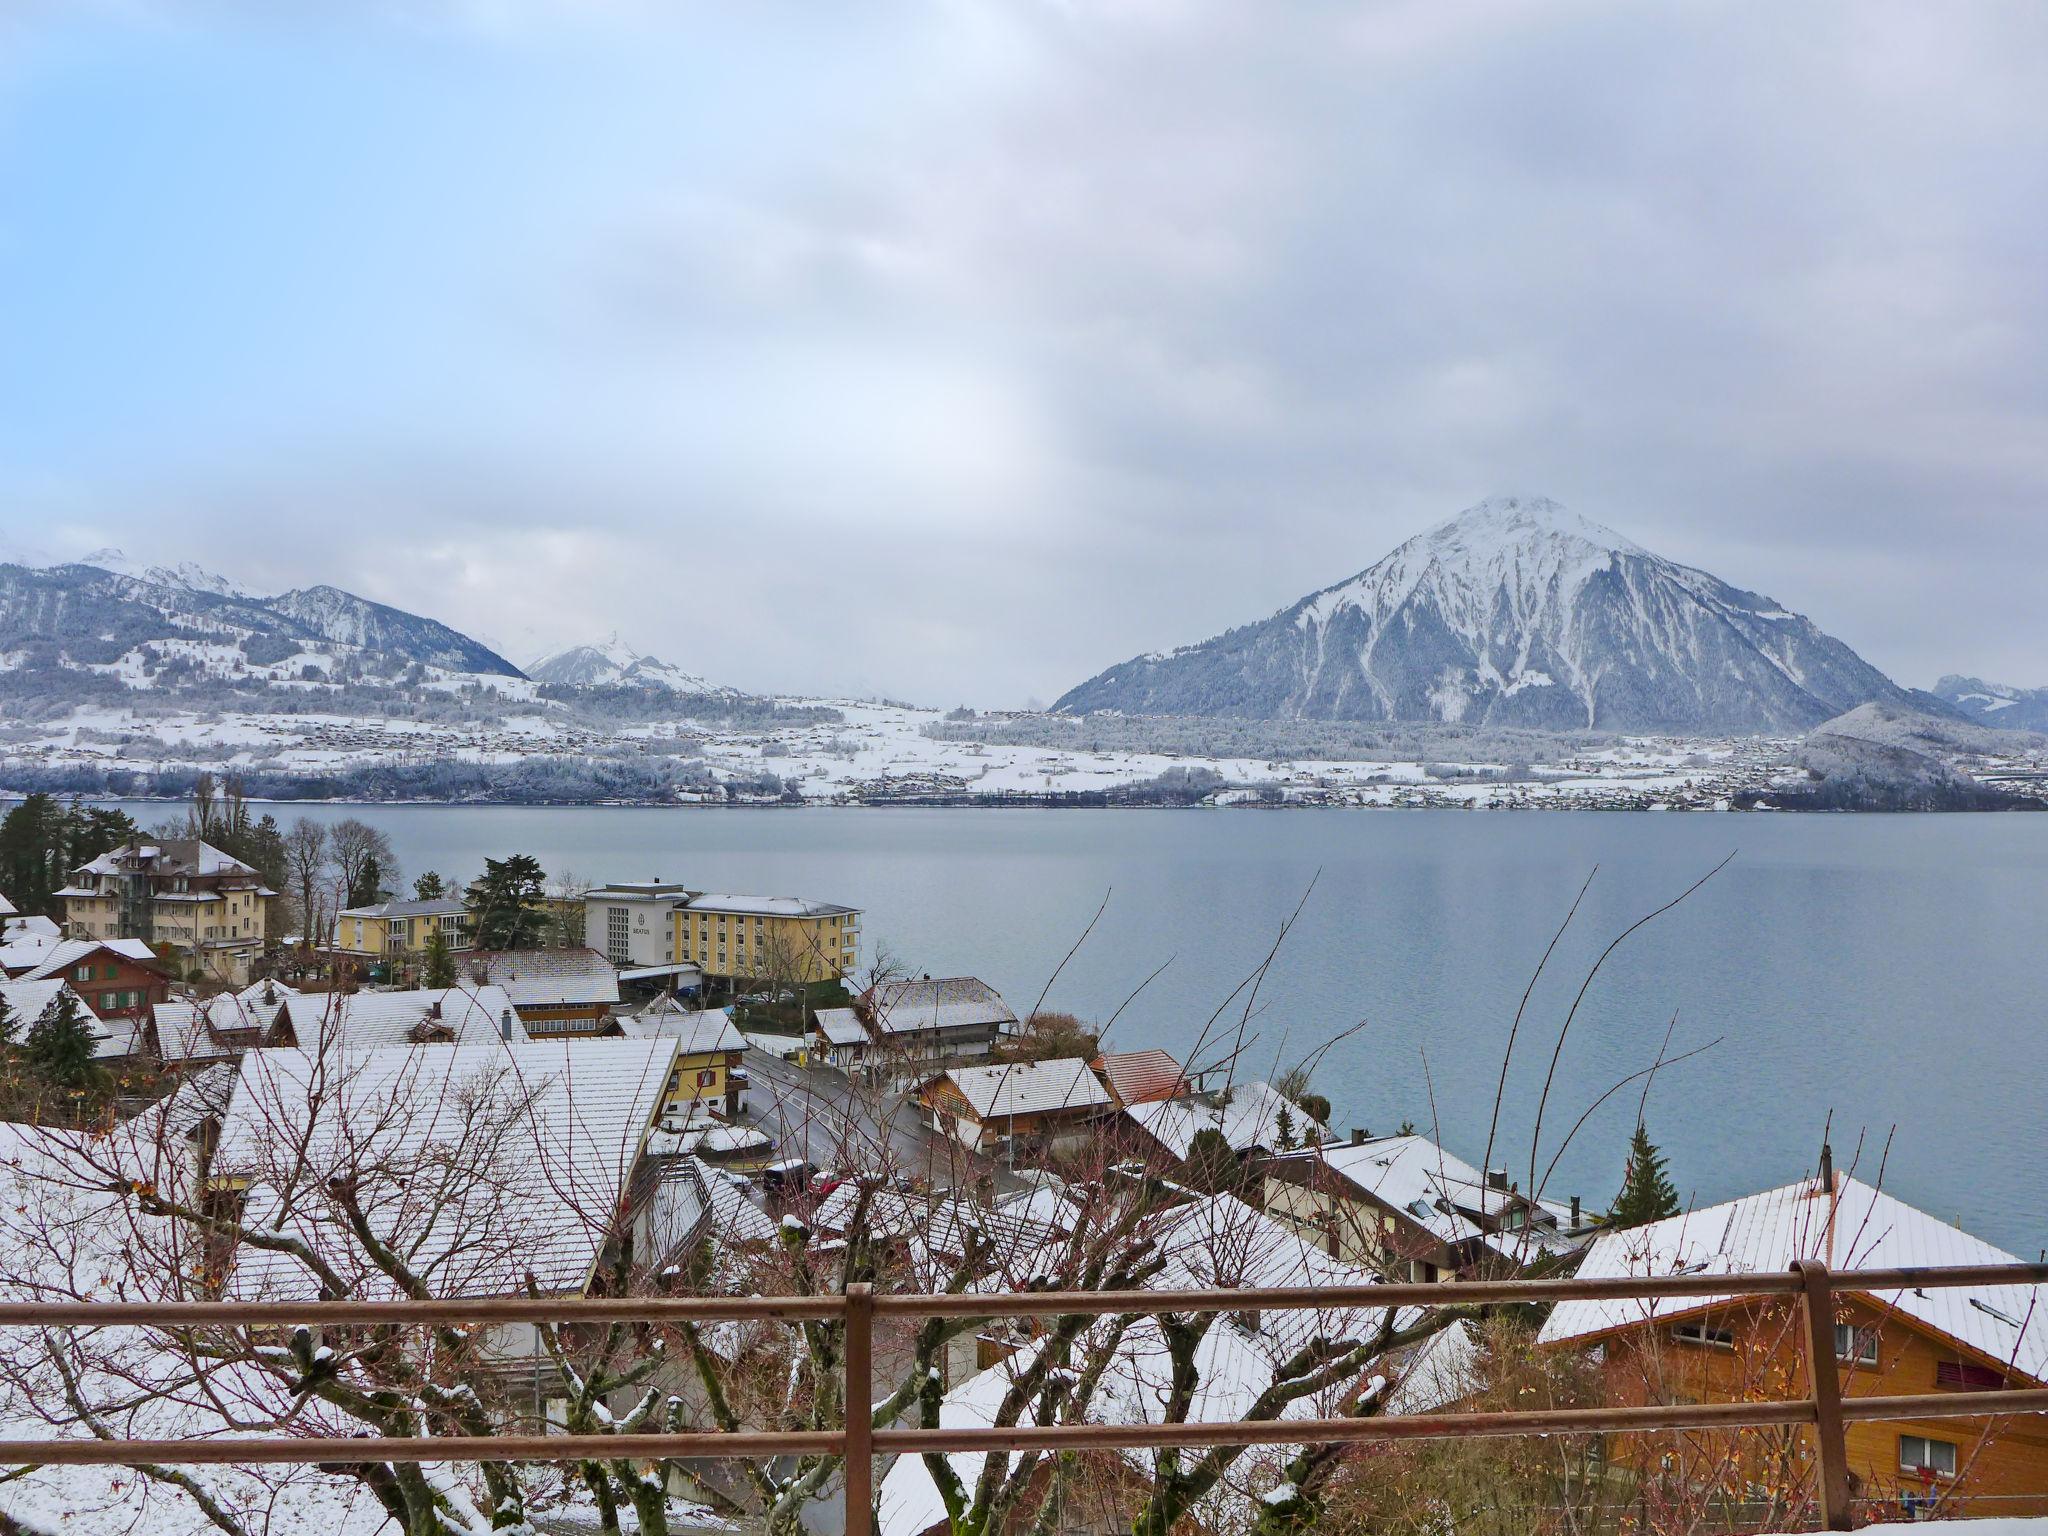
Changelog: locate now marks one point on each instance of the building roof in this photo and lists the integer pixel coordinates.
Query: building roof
(639, 890)
(21, 930)
(7, 908)
(436, 906)
(167, 856)
(1249, 1122)
(66, 953)
(842, 1026)
(1853, 1227)
(1028, 1088)
(365, 1020)
(696, 1033)
(482, 1163)
(547, 978)
(1141, 1077)
(932, 1006)
(765, 906)
(1443, 1194)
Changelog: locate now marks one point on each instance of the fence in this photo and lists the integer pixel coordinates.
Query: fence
(1811, 1284)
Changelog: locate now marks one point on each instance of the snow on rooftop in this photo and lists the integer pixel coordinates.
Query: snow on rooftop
(1028, 1087)
(1854, 1227)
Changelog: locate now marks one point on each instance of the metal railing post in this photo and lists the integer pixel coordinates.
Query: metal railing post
(1817, 1300)
(859, 1396)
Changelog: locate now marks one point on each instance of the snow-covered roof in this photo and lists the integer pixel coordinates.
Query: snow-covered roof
(369, 1019)
(182, 1033)
(1028, 1088)
(935, 1005)
(938, 1224)
(7, 908)
(435, 906)
(1854, 1227)
(482, 1163)
(1443, 1194)
(764, 906)
(1139, 1077)
(696, 1033)
(24, 930)
(547, 978)
(1250, 1121)
(842, 1026)
(65, 954)
(170, 856)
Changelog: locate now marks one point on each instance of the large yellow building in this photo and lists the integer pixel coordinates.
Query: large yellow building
(396, 930)
(177, 892)
(771, 938)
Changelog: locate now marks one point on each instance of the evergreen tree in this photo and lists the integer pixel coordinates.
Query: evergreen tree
(429, 887)
(439, 967)
(1212, 1166)
(1646, 1193)
(60, 1044)
(507, 899)
(368, 888)
(6, 1023)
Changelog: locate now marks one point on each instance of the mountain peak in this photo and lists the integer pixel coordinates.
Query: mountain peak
(1518, 611)
(1506, 520)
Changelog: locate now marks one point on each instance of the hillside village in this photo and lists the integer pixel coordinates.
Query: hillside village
(219, 1086)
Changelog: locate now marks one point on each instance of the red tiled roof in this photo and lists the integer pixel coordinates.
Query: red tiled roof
(1142, 1077)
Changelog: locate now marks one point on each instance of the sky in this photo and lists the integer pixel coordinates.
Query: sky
(953, 351)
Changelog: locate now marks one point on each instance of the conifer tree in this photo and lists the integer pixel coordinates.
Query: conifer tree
(6, 1023)
(60, 1044)
(1646, 1192)
(438, 969)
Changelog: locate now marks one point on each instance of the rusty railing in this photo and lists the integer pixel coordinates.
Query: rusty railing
(1811, 1284)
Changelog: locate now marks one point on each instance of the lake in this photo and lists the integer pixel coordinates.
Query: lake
(1886, 969)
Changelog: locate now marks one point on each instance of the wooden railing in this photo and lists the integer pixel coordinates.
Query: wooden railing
(1811, 1284)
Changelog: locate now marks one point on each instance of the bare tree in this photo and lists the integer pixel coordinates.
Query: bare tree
(363, 858)
(306, 866)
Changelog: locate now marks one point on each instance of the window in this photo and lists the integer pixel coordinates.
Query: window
(1967, 1378)
(83, 973)
(1703, 1333)
(1855, 1344)
(1919, 1454)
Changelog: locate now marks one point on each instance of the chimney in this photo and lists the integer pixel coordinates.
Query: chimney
(1496, 1178)
(1827, 1169)
(434, 1009)
(1575, 1213)
(505, 1024)
(1358, 1135)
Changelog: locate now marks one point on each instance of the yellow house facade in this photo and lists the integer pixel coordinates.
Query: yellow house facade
(395, 929)
(781, 938)
(181, 893)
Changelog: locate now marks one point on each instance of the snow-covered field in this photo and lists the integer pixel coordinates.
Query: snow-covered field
(880, 753)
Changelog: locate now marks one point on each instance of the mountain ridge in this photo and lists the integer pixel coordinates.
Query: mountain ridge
(1518, 611)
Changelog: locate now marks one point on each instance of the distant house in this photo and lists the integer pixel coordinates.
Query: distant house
(555, 991)
(116, 978)
(937, 1020)
(390, 932)
(1254, 1118)
(1889, 1343)
(1037, 1106)
(1142, 1077)
(709, 1050)
(181, 892)
(1404, 1206)
(421, 1016)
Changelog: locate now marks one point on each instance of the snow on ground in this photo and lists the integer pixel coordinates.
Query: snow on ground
(880, 753)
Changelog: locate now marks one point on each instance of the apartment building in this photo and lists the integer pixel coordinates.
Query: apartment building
(210, 907)
(397, 930)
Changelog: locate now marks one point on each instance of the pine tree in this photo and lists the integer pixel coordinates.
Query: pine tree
(1646, 1193)
(429, 887)
(6, 1022)
(60, 1044)
(439, 967)
(509, 902)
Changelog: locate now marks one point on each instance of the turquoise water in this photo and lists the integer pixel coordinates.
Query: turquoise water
(1887, 969)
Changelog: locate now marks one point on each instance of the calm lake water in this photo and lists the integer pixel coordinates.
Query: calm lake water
(1887, 969)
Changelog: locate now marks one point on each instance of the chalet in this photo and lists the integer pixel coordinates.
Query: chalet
(1886, 1343)
(936, 1021)
(1405, 1207)
(554, 991)
(709, 1052)
(1254, 1119)
(1040, 1106)
(116, 978)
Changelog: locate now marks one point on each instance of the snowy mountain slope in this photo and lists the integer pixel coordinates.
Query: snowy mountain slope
(611, 663)
(1515, 612)
(1996, 704)
(158, 626)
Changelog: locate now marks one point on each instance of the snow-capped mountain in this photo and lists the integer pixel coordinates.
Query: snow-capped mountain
(152, 626)
(1515, 612)
(611, 663)
(1996, 704)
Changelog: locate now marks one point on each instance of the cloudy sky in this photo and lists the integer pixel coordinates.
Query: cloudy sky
(955, 350)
